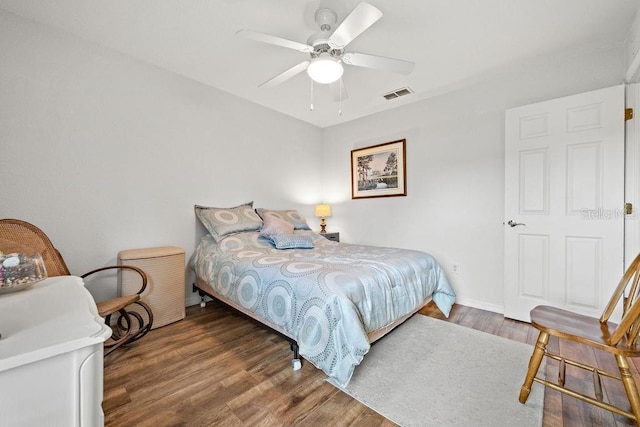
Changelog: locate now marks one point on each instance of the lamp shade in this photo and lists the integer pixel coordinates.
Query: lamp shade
(323, 210)
(325, 69)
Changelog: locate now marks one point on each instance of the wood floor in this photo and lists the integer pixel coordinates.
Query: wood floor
(217, 367)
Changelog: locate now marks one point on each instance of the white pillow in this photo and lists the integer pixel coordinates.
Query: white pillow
(274, 225)
(292, 216)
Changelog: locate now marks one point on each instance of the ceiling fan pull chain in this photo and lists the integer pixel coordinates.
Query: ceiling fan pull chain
(311, 103)
(340, 103)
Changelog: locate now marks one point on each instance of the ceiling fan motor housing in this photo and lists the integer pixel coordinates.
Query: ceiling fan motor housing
(325, 18)
(322, 47)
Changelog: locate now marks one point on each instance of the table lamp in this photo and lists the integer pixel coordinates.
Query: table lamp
(323, 211)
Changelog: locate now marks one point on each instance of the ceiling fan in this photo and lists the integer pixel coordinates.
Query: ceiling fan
(326, 49)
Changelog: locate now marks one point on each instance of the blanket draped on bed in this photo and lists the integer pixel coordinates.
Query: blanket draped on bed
(327, 298)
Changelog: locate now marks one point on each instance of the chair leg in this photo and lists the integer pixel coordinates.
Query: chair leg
(144, 326)
(118, 339)
(149, 316)
(534, 365)
(629, 386)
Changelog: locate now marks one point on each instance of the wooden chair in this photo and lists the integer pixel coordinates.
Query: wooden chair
(118, 313)
(620, 340)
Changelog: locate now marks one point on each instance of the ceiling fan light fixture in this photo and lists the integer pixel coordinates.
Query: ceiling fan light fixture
(325, 69)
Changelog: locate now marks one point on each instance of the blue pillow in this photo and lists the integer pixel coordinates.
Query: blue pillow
(292, 241)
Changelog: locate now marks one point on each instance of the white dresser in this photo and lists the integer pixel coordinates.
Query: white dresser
(51, 356)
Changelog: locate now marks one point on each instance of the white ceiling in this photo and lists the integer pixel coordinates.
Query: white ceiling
(452, 42)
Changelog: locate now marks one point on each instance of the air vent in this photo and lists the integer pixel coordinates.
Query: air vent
(397, 93)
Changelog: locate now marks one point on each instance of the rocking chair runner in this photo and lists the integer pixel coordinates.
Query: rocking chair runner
(619, 340)
(115, 311)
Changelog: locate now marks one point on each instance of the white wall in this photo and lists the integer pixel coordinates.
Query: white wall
(632, 52)
(106, 153)
(455, 166)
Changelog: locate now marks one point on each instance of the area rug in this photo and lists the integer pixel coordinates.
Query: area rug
(432, 373)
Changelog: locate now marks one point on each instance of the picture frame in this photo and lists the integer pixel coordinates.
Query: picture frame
(379, 170)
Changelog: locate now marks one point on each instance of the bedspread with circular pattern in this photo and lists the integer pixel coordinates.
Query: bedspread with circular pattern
(328, 298)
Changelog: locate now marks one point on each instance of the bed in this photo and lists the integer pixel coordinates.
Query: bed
(331, 300)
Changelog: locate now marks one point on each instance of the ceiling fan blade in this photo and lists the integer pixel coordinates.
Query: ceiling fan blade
(285, 75)
(362, 17)
(278, 41)
(378, 62)
(339, 91)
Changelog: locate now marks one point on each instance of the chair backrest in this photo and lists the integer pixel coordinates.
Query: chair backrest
(25, 234)
(628, 291)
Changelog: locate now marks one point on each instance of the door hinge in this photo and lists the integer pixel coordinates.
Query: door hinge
(628, 208)
(628, 114)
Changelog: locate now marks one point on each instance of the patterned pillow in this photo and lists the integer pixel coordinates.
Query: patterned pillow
(292, 216)
(274, 225)
(292, 241)
(221, 222)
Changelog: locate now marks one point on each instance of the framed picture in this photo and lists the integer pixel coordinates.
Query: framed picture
(379, 170)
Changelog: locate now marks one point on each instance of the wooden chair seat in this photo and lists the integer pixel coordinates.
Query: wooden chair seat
(577, 327)
(111, 306)
(620, 340)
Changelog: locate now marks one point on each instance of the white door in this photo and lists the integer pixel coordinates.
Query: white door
(564, 202)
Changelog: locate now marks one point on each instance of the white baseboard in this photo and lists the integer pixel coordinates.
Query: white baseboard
(192, 300)
(481, 305)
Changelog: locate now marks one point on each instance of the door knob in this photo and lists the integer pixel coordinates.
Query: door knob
(512, 223)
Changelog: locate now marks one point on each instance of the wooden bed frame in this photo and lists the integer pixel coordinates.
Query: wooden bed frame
(204, 289)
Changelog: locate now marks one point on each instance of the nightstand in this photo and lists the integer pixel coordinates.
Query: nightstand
(331, 236)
